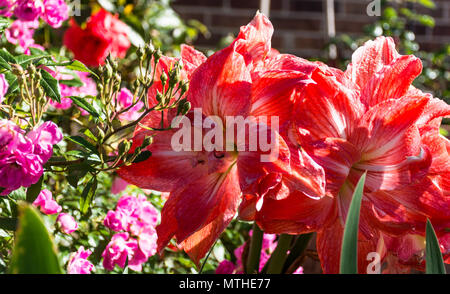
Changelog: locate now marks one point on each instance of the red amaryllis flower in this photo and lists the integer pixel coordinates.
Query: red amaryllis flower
(368, 118)
(104, 34)
(207, 185)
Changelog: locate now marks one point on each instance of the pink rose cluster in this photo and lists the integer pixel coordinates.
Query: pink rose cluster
(53, 12)
(48, 205)
(3, 87)
(22, 155)
(78, 263)
(135, 220)
(268, 246)
(89, 87)
(125, 101)
(28, 12)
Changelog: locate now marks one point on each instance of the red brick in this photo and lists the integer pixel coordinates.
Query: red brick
(351, 26)
(306, 5)
(441, 30)
(284, 23)
(309, 43)
(231, 21)
(254, 4)
(209, 3)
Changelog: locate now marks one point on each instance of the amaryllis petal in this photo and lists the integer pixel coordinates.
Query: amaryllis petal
(198, 213)
(295, 214)
(274, 94)
(336, 156)
(166, 168)
(288, 62)
(386, 84)
(191, 59)
(329, 243)
(221, 86)
(328, 109)
(306, 175)
(389, 143)
(256, 160)
(254, 39)
(370, 59)
(435, 108)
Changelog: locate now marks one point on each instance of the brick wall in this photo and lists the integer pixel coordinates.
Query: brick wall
(300, 24)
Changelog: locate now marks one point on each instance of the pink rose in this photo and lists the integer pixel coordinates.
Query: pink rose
(225, 267)
(29, 10)
(56, 11)
(67, 223)
(3, 87)
(78, 263)
(46, 203)
(118, 250)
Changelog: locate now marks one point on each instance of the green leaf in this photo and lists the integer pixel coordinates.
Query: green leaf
(427, 3)
(349, 252)
(6, 58)
(143, 156)
(434, 261)
(78, 66)
(34, 251)
(88, 195)
(297, 250)
(4, 23)
(82, 103)
(75, 82)
(12, 82)
(34, 190)
(18, 194)
(254, 254)
(50, 85)
(24, 60)
(8, 224)
(77, 172)
(82, 142)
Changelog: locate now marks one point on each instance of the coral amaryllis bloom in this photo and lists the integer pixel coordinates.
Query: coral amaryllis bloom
(206, 186)
(368, 118)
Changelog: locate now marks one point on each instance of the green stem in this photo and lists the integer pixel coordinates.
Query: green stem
(297, 250)
(254, 252)
(278, 257)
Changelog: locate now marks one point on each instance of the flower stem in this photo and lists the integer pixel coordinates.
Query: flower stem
(297, 251)
(254, 251)
(278, 257)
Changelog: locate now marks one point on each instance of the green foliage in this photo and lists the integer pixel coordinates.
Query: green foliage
(398, 20)
(434, 261)
(34, 251)
(349, 251)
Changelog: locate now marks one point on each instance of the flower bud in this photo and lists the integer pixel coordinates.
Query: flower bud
(157, 55)
(163, 78)
(124, 147)
(140, 52)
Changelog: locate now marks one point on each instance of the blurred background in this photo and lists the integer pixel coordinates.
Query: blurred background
(330, 30)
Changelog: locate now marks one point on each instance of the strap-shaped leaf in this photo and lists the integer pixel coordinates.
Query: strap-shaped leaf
(349, 252)
(434, 260)
(34, 251)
